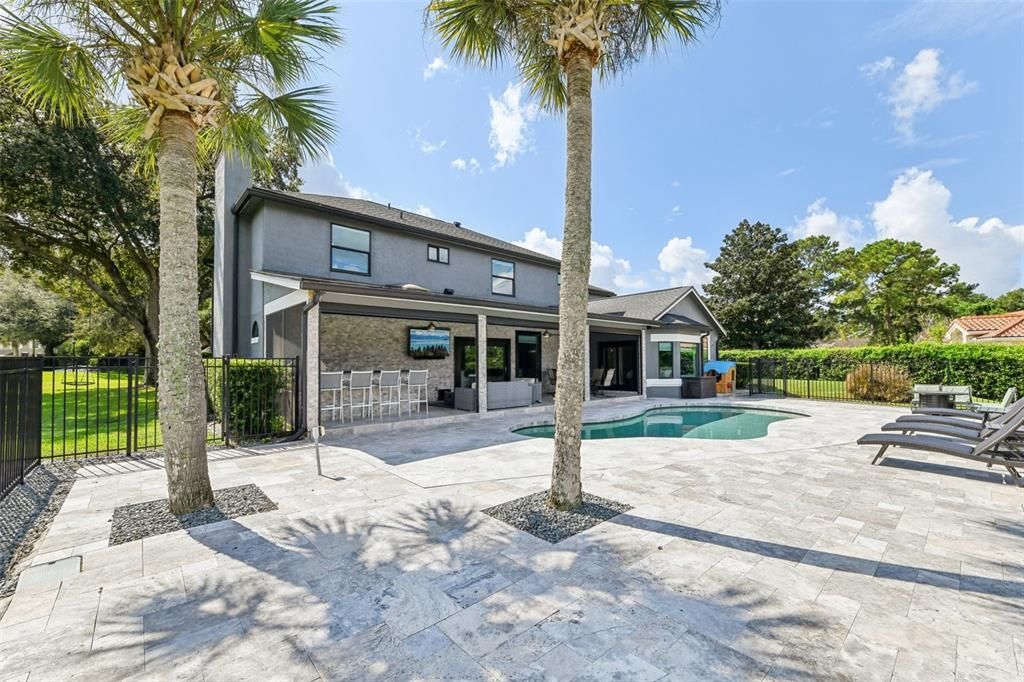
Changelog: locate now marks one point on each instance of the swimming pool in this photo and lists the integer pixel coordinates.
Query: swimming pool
(716, 423)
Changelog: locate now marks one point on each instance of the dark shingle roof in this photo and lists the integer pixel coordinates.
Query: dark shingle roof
(645, 306)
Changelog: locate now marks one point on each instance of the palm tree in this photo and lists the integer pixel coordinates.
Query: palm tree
(189, 79)
(556, 46)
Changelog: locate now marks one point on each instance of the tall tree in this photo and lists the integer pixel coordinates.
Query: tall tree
(760, 291)
(30, 313)
(820, 256)
(1010, 302)
(78, 215)
(203, 76)
(892, 290)
(557, 45)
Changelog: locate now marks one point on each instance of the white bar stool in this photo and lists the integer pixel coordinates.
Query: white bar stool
(333, 383)
(360, 394)
(417, 390)
(389, 391)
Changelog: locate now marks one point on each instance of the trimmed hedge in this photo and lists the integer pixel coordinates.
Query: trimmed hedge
(254, 389)
(988, 370)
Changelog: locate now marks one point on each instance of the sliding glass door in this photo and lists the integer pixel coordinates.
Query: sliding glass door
(498, 361)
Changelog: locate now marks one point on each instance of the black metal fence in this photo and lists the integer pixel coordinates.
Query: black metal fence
(20, 390)
(94, 406)
(871, 382)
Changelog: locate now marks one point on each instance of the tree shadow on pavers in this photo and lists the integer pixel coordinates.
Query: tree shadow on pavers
(438, 590)
(925, 466)
(415, 445)
(831, 560)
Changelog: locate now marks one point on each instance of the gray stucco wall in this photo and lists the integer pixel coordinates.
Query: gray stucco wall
(297, 240)
(689, 307)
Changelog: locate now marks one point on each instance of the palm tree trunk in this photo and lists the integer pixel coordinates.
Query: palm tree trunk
(180, 391)
(566, 483)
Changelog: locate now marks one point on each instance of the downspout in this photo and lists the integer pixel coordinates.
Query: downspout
(234, 284)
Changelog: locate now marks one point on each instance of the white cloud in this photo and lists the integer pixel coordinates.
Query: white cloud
(675, 183)
(785, 173)
(425, 211)
(428, 147)
(684, 263)
(989, 252)
(606, 270)
(435, 67)
(323, 177)
(510, 119)
(920, 87)
(676, 209)
(822, 220)
(883, 65)
(472, 165)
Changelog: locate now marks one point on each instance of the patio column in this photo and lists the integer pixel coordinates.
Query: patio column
(312, 357)
(481, 363)
(643, 362)
(586, 363)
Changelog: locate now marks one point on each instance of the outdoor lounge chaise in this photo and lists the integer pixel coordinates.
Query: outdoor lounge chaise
(963, 418)
(998, 447)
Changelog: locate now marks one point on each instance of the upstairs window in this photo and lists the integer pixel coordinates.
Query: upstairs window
(437, 254)
(665, 360)
(503, 277)
(350, 250)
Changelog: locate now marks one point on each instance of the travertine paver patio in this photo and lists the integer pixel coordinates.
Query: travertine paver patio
(783, 557)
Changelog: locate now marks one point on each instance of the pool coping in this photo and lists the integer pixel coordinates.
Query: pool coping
(664, 406)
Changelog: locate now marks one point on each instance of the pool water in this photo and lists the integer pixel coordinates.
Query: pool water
(716, 423)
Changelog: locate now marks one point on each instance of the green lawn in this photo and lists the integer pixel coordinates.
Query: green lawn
(87, 411)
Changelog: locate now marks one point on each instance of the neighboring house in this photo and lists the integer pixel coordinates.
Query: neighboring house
(686, 336)
(21, 349)
(344, 284)
(1006, 328)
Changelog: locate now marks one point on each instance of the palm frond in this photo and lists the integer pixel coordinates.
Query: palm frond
(284, 37)
(50, 70)
(474, 31)
(303, 116)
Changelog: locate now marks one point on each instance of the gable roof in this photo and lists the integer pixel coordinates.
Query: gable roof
(653, 305)
(649, 305)
(998, 326)
(402, 219)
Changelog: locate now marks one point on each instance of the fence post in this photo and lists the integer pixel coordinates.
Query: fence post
(225, 398)
(785, 377)
(297, 392)
(130, 423)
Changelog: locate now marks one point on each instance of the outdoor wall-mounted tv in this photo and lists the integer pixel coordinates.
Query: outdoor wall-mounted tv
(430, 344)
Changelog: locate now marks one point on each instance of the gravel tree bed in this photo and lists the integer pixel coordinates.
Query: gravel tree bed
(146, 519)
(26, 513)
(533, 515)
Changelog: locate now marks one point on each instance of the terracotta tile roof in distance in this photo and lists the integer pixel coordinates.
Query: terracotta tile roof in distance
(1001, 325)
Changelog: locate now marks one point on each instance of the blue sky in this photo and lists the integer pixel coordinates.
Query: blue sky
(855, 119)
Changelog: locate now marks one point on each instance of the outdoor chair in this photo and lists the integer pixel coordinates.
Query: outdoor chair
(609, 377)
(333, 384)
(596, 376)
(1000, 446)
(360, 394)
(962, 417)
(389, 391)
(417, 391)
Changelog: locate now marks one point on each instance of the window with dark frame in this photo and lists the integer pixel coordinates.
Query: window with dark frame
(503, 277)
(664, 359)
(437, 254)
(688, 359)
(350, 250)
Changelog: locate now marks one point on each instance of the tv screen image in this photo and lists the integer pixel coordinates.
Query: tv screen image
(430, 344)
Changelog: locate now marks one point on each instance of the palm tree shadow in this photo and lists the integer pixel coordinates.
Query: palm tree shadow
(348, 595)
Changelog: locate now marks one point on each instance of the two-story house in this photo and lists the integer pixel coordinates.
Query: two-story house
(350, 284)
